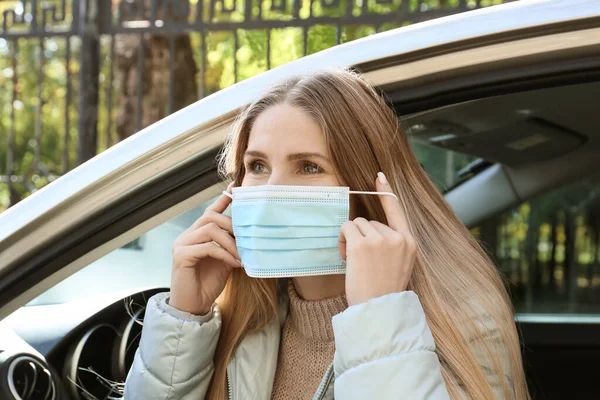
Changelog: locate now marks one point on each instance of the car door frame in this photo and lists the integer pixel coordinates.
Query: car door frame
(138, 190)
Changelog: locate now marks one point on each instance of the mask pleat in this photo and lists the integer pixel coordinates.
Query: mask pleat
(293, 260)
(256, 243)
(286, 231)
(280, 213)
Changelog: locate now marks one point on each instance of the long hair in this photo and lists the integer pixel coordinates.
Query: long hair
(466, 304)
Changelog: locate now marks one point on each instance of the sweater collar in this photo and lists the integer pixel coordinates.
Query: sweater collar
(312, 319)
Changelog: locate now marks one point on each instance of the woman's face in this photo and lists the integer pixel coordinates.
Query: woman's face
(286, 147)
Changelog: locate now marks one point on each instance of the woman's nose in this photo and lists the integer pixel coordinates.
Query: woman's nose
(277, 179)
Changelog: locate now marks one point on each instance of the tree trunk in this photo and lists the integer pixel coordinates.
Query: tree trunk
(571, 266)
(530, 251)
(89, 72)
(155, 75)
(13, 195)
(537, 266)
(489, 238)
(593, 266)
(552, 263)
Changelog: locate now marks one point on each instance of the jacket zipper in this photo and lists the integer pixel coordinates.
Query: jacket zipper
(229, 377)
(324, 383)
(318, 395)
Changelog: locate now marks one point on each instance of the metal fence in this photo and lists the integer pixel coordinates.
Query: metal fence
(76, 76)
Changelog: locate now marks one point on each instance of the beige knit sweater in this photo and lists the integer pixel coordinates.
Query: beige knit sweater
(306, 347)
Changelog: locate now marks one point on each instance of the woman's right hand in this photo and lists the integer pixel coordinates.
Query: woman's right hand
(203, 258)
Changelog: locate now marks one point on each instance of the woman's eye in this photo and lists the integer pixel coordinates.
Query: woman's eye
(256, 167)
(310, 168)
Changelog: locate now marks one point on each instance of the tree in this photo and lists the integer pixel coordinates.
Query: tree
(155, 50)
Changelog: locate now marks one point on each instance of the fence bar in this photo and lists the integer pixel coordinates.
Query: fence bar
(65, 154)
(304, 41)
(109, 94)
(40, 105)
(10, 167)
(203, 35)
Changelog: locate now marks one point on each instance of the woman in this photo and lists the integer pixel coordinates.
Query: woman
(420, 313)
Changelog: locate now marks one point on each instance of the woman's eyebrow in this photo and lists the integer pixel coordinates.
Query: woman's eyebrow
(254, 153)
(300, 156)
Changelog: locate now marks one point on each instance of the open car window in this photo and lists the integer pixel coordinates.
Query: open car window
(142, 263)
(146, 261)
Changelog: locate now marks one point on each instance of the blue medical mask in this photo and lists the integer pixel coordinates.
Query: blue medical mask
(287, 231)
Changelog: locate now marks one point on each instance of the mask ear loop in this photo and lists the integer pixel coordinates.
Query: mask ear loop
(351, 192)
(376, 193)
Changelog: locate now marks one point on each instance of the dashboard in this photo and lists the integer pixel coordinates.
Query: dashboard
(83, 350)
(71, 351)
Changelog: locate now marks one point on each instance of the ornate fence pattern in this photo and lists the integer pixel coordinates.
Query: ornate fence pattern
(78, 75)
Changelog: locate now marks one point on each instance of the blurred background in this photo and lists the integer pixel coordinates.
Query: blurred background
(78, 76)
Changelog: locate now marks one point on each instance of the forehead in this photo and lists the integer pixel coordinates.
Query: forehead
(284, 127)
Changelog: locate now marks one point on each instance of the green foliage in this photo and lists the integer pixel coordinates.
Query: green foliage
(225, 63)
(45, 97)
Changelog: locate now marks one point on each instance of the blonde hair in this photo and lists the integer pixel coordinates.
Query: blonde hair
(467, 307)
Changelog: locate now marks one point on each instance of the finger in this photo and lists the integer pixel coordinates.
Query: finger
(365, 227)
(224, 221)
(383, 229)
(222, 202)
(199, 251)
(212, 233)
(394, 210)
(349, 233)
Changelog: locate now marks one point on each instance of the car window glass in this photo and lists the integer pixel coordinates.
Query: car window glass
(440, 164)
(548, 249)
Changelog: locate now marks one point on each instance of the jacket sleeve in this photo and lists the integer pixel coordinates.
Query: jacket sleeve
(385, 350)
(175, 356)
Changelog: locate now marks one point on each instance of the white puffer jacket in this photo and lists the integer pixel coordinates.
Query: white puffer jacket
(384, 350)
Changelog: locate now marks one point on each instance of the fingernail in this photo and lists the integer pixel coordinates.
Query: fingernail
(382, 178)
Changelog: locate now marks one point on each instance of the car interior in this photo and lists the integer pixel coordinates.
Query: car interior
(522, 144)
(538, 142)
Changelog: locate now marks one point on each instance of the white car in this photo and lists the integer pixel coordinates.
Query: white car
(514, 90)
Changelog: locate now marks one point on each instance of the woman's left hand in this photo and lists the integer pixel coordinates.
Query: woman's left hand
(379, 258)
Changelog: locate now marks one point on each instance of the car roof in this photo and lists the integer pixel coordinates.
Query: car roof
(430, 34)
